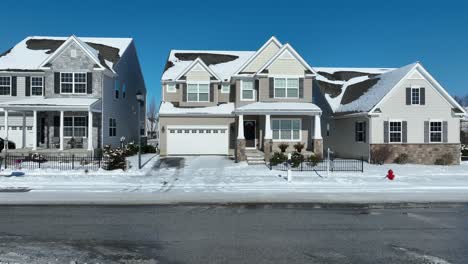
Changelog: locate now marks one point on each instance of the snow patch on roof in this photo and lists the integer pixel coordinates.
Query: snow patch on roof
(167, 108)
(52, 102)
(224, 70)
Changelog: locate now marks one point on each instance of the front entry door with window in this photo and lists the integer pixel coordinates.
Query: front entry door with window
(249, 134)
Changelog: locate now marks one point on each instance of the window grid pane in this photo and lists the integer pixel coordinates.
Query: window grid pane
(5, 85)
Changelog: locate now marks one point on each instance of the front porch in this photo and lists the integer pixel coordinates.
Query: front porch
(265, 126)
(51, 129)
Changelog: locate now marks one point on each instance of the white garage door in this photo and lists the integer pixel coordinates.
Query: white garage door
(197, 140)
(15, 134)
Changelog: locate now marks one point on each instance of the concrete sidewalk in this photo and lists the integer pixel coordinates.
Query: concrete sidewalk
(180, 197)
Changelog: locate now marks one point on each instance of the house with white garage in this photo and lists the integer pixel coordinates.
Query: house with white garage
(246, 103)
(242, 103)
(388, 112)
(70, 93)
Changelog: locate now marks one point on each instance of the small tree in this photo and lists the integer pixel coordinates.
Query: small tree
(115, 158)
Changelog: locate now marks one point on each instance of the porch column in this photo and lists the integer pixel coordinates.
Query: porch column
(6, 130)
(90, 130)
(267, 142)
(317, 128)
(34, 128)
(61, 130)
(23, 136)
(240, 128)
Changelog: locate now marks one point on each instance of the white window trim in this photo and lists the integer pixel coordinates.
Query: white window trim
(419, 94)
(441, 131)
(364, 131)
(198, 92)
(31, 86)
(73, 126)
(401, 132)
(5, 85)
(73, 82)
(242, 89)
(287, 140)
(228, 88)
(286, 87)
(171, 90)
(109, 127)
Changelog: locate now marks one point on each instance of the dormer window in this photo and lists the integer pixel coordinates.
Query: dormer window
(415, 96)
(5, 85)
(73, 83)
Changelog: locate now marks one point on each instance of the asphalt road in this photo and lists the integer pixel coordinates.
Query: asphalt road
(231, 234)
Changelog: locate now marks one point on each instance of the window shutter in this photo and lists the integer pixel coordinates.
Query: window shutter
(13, 85)
(422, 96)
(28, 86)
(57, 82)
(365, 131)
(404, 131)
(89, 86)
(408, 96)
(271, 87)
(184, 92)
(385, 131)
(356, 127)
(445, 131)
(301, 87)
(212, 92)
(426, 131)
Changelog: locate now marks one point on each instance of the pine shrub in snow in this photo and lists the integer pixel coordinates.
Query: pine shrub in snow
(115, 158)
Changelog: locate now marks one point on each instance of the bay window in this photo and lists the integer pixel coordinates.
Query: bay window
(198, 92)
(286, 129)
(286, 87)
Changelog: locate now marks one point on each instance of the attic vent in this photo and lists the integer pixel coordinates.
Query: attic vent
(73, 53)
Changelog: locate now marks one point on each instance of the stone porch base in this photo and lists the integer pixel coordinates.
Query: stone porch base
(240, 150)
(420, 153)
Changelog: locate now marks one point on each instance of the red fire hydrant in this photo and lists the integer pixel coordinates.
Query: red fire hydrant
(390, 175)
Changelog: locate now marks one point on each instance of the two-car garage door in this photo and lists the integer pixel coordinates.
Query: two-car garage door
(197, 140)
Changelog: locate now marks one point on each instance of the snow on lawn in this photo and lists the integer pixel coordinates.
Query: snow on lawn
(220, 174)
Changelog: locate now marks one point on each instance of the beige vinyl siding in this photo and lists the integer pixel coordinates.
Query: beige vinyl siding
(262, 58)
(240, 102)
(286, 66)
(175, 97)
(342, 139)
(199, 76)
(165, 121)
(223, 97)
(436, 108)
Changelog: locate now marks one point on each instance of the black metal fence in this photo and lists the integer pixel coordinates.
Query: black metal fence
(334, 165)
(57, 162)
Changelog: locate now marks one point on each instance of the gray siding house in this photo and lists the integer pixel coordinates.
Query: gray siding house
(62, 93)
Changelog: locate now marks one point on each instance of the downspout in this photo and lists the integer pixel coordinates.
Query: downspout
(369, 139)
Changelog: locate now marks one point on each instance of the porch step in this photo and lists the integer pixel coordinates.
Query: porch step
(255, 157)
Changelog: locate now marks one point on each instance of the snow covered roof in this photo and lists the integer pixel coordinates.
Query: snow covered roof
(57, 103)
(32, 51)
(223, 63)
(358, 89)
(168, 109)
(278, 108)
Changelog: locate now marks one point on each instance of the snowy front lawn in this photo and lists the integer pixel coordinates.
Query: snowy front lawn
(220, 174)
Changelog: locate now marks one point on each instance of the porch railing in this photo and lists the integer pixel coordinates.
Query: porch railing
(350, 165)
(56, 162)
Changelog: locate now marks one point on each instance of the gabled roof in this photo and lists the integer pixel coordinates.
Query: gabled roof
(360, 90)
(273, 39)
(287, 48)
(223, 63)
(31, 52)
(198, 61)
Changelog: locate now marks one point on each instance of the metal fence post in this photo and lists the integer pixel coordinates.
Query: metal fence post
(362, 163)
(6, 160)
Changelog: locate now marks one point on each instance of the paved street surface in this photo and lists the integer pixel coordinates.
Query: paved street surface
(232, 234)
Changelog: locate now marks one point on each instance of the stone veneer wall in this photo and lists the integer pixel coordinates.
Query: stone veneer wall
(240, 150)
(420, 153)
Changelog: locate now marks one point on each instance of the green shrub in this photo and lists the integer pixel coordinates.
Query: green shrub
(278, 158)
(148, 149)
(131, 149)
(283, 147)
(296, 159)
(464, 152)
(115, 158)
(402, 158)
(299, 147)
(314, 160)
(445, 159)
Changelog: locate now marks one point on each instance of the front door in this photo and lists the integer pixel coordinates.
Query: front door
(249, 134)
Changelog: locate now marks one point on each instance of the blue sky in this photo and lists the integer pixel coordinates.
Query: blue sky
(347, 33)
